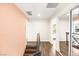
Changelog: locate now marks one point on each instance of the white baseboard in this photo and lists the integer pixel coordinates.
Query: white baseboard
(40, 40)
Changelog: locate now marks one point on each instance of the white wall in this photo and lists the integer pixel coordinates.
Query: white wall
(37, 26)
(63, 27)
(54, 42)
(52, 21)
(27, 23)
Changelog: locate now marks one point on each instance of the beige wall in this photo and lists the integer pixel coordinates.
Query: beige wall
(12, 30)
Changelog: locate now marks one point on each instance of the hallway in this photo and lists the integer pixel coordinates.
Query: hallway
(39, 29)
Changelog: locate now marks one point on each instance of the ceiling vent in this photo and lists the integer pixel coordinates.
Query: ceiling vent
(52, 5)
(29, 13)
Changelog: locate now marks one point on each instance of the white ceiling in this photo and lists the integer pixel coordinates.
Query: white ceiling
(40, 10)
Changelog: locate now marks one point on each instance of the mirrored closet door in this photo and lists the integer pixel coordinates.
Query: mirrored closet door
(75, 31)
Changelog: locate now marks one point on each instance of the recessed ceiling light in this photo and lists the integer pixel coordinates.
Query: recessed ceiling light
(68, 14)
(38, 15)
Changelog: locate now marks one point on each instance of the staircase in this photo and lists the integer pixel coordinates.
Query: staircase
(33, 49)
(29, 50)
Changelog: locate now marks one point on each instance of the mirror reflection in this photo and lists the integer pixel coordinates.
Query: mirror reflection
(75, 31)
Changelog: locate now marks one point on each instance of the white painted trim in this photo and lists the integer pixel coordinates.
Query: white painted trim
(60, 53)
(40, 40)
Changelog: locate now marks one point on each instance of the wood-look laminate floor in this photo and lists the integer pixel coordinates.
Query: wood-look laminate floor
(64, 48)
(45, 48)
(75, 51)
